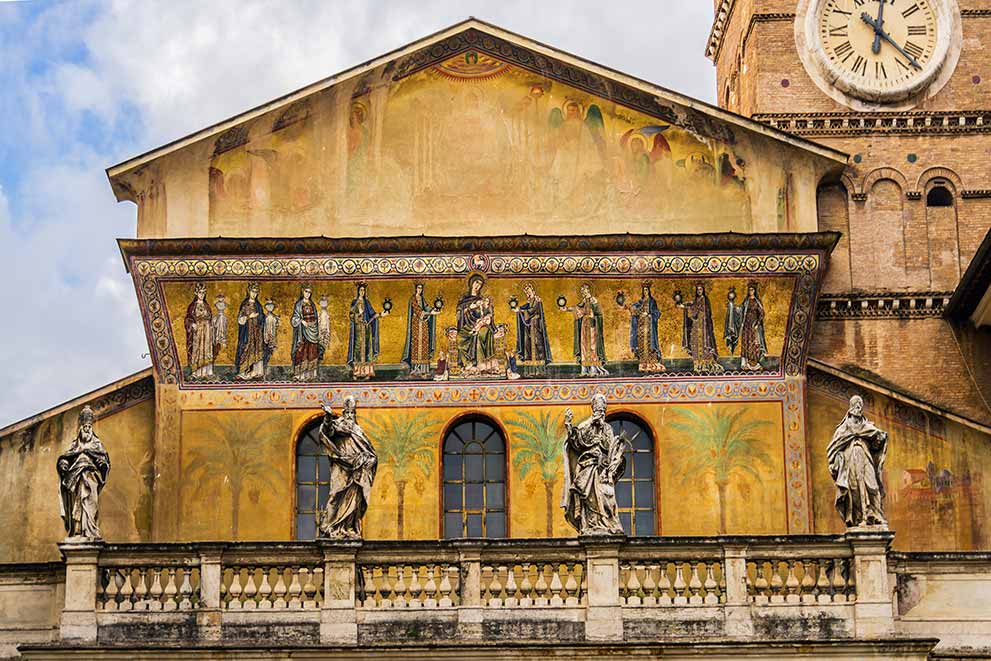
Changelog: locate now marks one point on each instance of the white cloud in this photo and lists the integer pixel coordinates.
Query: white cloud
(71, 321)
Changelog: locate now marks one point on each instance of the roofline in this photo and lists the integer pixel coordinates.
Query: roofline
(76, 401)
(973, 285)
(135, 162)
(898, 395)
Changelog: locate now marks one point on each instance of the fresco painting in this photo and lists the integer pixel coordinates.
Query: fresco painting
(478, 139)
(496, 328)
(933, 474)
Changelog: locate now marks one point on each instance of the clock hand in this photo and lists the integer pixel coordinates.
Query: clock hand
(876, 48)
(884, 35)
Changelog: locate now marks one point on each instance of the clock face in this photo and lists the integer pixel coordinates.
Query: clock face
(879, 49)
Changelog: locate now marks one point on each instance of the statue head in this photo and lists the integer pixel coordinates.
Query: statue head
(856, 406)
(598, 405)
(86, 418)
(350, 408)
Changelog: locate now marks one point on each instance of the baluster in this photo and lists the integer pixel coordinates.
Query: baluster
(824, 589)
(485, 584)
(526, 587)
(170, 592)
(649, 587)
(695, 585)
(155, 593)
(760, 584)
(313, 588)
(250, 592)
(791, 583)
(839, 582)
(777, 592)
(265, 590)
(430, 588)
(633, 586)
(664, 585)
(807, 589)
(186, 590)
(141, 591)
(572, 587)
(101, 575)
(401, 601)
(388, 593)
(235, 590)
(541, 586)
(679, 585)
(107, 596)
(414, 588)
(556, 587)
(126, 591)
(445, 600)
(710, 584)
(495, 588)
(280, 589)
(295, 589)
(511, 598)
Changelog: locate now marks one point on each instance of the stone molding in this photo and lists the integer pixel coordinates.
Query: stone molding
(847, 124)
(882, 305)
(721, 19)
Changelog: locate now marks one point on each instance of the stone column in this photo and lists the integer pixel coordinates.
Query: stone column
(338, 618)
(739, 623)
(78, 621)
(470, 612)
(604, 614)
(209, 616)
(873, 610)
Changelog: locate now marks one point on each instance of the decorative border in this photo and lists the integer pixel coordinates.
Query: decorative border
(549, 67)
(149, 273)
(879, 122)
(882, 305)
(789, 391)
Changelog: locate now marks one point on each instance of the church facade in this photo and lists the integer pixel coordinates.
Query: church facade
(464, 245)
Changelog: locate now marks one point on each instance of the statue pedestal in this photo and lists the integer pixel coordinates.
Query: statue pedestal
(873, 610)
(78, 620)
(604, 614)
(338, 621)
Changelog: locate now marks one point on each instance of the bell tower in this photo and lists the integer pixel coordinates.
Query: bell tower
(902, 86)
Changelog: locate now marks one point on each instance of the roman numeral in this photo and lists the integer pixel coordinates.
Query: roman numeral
(860, 66)
(917, 30)
(879, 71)
(837, 10)
(839, 32)
(914, 50)
(843, 49)
(902, 65)
(911, 10)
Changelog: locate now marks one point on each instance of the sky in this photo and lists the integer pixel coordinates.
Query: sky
(85, 85)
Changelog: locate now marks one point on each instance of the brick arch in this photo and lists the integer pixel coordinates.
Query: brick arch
(877, 175)
(956, 184)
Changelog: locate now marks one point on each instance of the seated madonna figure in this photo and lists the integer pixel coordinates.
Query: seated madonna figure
(476, 330)
(856, 462)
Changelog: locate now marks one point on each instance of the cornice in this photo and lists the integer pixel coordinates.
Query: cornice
(975, 193)
(882, 305)
(719, 22)
(841, 124)
(763, 18)
(975, 13)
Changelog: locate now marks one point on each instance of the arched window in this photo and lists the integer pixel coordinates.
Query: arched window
(635, 489)
(474, 467)
(312, 481)
(939, 196)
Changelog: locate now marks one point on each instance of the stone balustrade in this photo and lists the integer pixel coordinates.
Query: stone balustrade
(580, 590)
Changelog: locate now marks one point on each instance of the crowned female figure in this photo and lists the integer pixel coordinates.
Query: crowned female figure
(199, 335)
(353, 464)
(856, 457)
(307, 345)
(590, 346)
(476, 330)
(697, 336)
(363, 334)
(644, 315)
(532, 345)
(249, 360)
(753, 345)
(421, 333)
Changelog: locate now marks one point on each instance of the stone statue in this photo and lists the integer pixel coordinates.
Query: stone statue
(856, 462)
(593, 461)
(82, 472)
(352, 470)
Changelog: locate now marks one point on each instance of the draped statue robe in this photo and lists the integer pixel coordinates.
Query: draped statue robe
(82, 472)
(593, 461)
(856, 457)
(353, 464)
